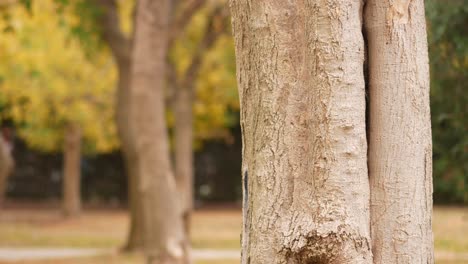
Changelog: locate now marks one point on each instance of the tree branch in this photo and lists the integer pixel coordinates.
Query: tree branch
(119, 44)
(216, 26)
(217, 22)
(179, 24)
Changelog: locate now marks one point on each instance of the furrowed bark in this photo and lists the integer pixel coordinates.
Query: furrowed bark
(301, 86)
(162, 222)
(72, 171)
(400, 148)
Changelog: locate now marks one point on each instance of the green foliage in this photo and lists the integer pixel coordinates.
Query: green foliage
(448, 49)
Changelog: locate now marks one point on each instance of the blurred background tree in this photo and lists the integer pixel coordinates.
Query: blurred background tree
(48, 81)
(200, 81)
(57, 95)
(448, 50)
(204, 48)
(57, 71)
(203, 57)
(195, 27)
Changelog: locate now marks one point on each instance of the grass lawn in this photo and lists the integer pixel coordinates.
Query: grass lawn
(214, 229)
(450, 226)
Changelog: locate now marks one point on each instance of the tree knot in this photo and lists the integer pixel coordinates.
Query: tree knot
(331, 247)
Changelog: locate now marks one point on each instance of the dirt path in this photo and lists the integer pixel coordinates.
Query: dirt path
(21, 254)
(16, 254)
(451, 256)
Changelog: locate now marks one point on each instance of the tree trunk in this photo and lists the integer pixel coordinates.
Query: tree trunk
(164, 239)
(71, 171)
(135, 235)
(301, 85)
(184, 117)
(184, 151)
(6, 166)
(120, 46)
(400, 149)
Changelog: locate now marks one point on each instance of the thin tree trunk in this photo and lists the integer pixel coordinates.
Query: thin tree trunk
(135, 235)
(301, 85)
(120, 45)
(184, 151)
(184, 117)
(162, 222)
(400, 148)
(6, 167)
(71, 171)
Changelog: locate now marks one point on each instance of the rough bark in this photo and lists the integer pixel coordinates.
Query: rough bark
(6, 167)
(120, 45)
(184, 151)
(301, 86)
(72, 171)
(400, 149)
(164, 240)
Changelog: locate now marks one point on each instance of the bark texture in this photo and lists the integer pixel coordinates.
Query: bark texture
(72, 171)
(301, 86)
(6, 167)
(164, 239)
(400, 148)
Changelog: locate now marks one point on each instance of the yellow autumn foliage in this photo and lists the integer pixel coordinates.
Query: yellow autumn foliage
(48, 81)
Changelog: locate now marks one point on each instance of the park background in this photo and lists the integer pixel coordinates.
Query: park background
(54, 69)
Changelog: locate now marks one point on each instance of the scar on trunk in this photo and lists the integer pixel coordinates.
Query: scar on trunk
(329, 248)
